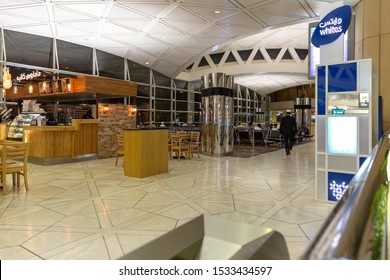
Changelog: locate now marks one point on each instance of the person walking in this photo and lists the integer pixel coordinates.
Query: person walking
(288, 128)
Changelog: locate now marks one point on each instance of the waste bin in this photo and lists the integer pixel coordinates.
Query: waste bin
(214, 238)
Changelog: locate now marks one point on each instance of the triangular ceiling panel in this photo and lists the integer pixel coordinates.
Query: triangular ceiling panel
(116, 50)
(152, 10)
(41, 30)
(163, 29)
(112, 29)
(155, 51)
(7, 20)
(171, 39)
(32, 12)
(145, 41)
(177, 62)
(107, 43)
(84, 41)
(163, 66)
(293, 8)
(213, 33)
(187, 27)
(277, 20)
(128, 39)
(241, 20)
(237, 30)
(67, 15)
(302, 41)
(118, 12)
(64, 31)
(83, 25)
(180, 14)
(6, 3)
(138, 25)
(193, 43)
(140, 57)
(298, 31)
(214, 3)
(209, 12)
(87, 8)
(177, 53)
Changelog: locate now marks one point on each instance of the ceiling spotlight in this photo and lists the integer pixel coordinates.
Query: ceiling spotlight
(147, 62)
(217, 12)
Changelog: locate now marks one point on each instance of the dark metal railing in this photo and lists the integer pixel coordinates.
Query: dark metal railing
(357, 226)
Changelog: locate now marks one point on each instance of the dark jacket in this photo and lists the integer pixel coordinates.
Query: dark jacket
(288, 126)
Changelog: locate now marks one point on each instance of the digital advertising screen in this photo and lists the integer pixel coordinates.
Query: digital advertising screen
(342, 135)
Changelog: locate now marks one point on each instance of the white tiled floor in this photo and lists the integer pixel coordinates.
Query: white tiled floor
(90, 210)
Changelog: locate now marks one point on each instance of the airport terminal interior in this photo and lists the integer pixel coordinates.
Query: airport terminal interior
(120, 66)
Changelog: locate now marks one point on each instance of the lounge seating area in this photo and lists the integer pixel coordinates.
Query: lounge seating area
(183, 144)
(251, 142)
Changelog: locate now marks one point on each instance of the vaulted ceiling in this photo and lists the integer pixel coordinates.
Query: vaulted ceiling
(166, 35)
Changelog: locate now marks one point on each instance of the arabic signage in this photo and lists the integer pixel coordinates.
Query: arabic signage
(332, 26)
(30, 76)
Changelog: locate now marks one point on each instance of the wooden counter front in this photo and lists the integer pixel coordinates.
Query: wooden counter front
(56, 144)
(145, 152)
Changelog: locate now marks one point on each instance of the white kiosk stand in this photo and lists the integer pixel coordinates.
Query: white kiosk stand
(346, 118)
(344, 124)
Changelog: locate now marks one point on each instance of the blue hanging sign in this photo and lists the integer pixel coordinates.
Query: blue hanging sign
(332, 26)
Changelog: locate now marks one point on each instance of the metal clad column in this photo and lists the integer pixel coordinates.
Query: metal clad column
(217, 107)
(302, 108)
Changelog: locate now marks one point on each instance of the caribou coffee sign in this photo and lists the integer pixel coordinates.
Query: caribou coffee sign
(332, 26)
(30, 76)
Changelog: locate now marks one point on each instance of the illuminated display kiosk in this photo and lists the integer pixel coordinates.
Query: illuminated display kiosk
(346, 124)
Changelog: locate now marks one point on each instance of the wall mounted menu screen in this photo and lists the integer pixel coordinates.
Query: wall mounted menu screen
(342, 135)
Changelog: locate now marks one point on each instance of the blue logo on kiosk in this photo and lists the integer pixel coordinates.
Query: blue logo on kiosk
(332, 26)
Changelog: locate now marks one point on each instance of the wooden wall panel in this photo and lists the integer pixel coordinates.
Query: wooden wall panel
(110, 86)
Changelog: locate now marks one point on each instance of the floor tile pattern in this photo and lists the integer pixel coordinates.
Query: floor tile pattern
(90, 210)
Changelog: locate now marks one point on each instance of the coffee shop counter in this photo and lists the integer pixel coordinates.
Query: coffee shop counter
(61, 144)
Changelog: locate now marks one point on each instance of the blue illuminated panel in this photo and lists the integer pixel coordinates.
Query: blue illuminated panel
(337, 184)
(321, 94)
(342, 77)
(361, 161)
(342, 135)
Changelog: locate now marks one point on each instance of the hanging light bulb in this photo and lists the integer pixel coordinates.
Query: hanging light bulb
(30, 88)
(68, 85)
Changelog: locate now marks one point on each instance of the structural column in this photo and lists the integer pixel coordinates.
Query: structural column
(217, 114)
(302, 109)
(372, 39)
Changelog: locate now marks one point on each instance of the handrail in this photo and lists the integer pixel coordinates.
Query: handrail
(352, 230)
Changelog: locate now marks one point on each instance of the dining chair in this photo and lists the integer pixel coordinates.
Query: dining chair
(179, 145)
(14, 156)
(120, 146)
(195, 142)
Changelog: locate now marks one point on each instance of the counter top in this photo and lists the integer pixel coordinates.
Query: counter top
(75, 126)
(50, 128)
(147, 128)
